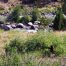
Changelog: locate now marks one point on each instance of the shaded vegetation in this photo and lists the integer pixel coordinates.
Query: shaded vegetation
(46, 42)
(59, 21)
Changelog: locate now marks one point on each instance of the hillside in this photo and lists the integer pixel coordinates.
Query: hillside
(8, 4)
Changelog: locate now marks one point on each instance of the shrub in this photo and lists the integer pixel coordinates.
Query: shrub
(13, 60)
(47, 42)
(2, 60)
(44, 21)
(17, 44)
(27, 59)
(24, 19)
(35, 14)
(64, 8)
(46, 52)
(33, 44)
(2, 19)
(59, 20)
(14, 16)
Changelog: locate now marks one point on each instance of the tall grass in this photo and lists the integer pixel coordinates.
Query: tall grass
(30, 52)
(27, 60)
(45, 42)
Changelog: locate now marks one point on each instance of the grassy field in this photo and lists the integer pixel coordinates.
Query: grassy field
(31, 58)
(6, 36)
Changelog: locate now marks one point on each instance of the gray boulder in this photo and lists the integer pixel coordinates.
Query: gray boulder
(32, 27)
(27, 27)
(13, 26)
(36, 27)
(6, 27)
(36, 22)
(30, 23)
(20, 25)
(1, 25)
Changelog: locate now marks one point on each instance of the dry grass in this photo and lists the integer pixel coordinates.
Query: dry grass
(60, 33)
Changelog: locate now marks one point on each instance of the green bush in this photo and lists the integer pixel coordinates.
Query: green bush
(24, 19)
(45, 21)
(17, 44)
(59, 21)
(46, 52)
(40, 42)
(14, 16)
(35, 14)
(33, 44)
(13, 60)
(48, 43)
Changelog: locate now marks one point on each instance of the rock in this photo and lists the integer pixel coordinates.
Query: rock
(50, 16)
(36, 27)
(13, 26)
(1, 25)
(32, 27)
(6, 27)
(20, 25)
(30, 23)
(27, 27)
(37, 22)
(50, 24)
